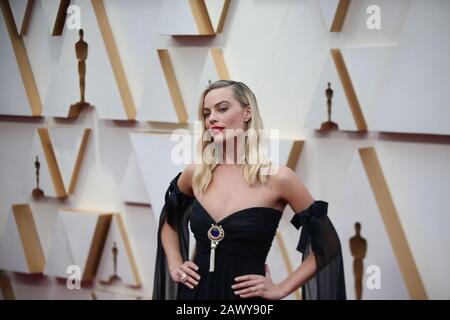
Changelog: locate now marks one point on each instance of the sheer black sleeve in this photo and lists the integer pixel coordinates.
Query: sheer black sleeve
(176, 212)
(319, 236)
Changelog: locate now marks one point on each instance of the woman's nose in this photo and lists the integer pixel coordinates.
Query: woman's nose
(212, 117)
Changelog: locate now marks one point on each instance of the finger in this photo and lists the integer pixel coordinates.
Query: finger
(250, 295)
(192, 265)
(246, 277)
(192, 281)
(246, 284)
(256, 293)
(177, 276)
(187, 284)
(192, 268)
(267, 271)
(250, 290)
(194, 274)
(190, 272)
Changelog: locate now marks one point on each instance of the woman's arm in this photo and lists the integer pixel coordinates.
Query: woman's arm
(185, 180)
(319, 244)
(171, 245)
(170, 238)
(299, 277)
(293, 192)
(322, 270)
(298, 197)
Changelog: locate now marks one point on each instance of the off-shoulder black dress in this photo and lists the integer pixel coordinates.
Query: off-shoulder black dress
(247, 238)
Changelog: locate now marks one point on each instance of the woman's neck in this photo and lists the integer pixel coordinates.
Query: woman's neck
(236, 153)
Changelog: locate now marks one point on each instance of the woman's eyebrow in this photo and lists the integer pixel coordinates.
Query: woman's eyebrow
(223, 101)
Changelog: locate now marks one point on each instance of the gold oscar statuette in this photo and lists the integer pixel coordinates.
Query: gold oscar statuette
(329, 125)
(81, 50)
(37, 192)
(358, 248)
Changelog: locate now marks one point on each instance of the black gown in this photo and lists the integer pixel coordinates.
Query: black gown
(248, 235)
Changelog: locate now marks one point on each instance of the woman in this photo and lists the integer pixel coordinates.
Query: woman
(234, 202)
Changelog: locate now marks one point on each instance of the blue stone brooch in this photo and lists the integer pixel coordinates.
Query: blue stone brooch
(215, 234)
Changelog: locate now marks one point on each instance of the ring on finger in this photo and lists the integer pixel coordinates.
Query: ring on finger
(184, 277)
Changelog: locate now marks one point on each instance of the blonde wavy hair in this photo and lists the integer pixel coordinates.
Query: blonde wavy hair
(255, 142)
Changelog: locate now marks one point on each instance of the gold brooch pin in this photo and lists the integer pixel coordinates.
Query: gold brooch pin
(215, 234)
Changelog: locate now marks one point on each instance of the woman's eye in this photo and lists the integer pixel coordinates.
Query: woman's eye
(206, 115)
(223, 109)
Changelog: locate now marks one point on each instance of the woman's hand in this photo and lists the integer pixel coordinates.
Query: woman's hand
(253, 285)
(186, 274)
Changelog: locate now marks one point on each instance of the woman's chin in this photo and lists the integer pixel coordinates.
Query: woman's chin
(221, 138)
(218, 137)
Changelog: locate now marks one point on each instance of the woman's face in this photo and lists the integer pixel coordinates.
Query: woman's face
(222, 111)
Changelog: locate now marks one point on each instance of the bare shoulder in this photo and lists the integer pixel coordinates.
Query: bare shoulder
(292, 189)
(185, 180)
(284, 177)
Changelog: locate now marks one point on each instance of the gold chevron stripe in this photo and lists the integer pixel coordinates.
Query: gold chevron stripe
(339, 16)
(223, 15)
(201, 17)
(80, 155)
(60, 18)
(392, 223)
(126, 241)
(22, 60)
(52, 164)
(349, 90)
(26, 18)
(29, 237)
(172, 84)
(97, 244)
(114, 57)
(294, 155)
(6, 288)
(219, 62)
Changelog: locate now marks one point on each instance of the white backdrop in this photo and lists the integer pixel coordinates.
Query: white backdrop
(280, 49)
